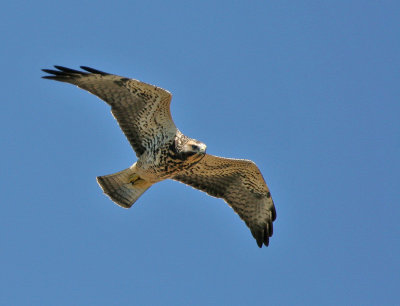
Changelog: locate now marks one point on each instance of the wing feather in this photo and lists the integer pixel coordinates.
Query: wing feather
(241, 184)
(141, 110)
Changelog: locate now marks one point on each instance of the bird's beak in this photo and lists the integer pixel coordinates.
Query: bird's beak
(203, 148)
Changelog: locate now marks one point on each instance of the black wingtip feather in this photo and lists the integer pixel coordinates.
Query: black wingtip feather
(262, 235)
(273, 212)
(50, 77)
(267, 234)
(259, 236)
(69, 70)
(65, 74)
(92, 70)
(55, 72)
(270, 228)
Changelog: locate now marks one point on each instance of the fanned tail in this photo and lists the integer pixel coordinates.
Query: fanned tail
(123, 187)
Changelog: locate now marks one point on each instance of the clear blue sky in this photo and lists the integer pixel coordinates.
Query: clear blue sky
(309, 90)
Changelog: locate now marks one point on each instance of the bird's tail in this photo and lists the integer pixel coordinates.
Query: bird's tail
(124, 187)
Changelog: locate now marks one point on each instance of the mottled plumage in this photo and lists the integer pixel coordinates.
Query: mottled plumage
(143, 113)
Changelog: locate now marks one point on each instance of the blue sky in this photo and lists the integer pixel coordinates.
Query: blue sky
(309, 90)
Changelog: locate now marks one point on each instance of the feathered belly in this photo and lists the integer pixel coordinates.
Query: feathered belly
(161, 165)
(156, 166)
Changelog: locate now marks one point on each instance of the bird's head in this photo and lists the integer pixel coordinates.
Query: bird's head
(193, 149)
(187, 149)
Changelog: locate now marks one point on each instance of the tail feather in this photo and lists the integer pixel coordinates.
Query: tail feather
(123, 187)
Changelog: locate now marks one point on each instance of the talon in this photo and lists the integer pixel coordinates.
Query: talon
(135, 179)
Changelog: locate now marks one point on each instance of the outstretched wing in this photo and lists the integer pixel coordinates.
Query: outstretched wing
(241, 184)
(142, 110)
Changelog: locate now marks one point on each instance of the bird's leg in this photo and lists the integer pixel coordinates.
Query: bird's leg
(136, 179)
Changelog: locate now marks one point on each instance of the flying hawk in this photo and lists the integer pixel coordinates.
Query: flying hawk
(143, 113)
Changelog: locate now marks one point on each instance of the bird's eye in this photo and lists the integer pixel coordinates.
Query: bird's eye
(194, 147)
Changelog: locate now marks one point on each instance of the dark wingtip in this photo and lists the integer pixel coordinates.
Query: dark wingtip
(258, 235)
(273, 210)
(55, 72)
(70, 73)
(262, 235)
(63, 74)
(69, 70)
(270, 228)
(50, 77)
(92, 70)
(266, 238)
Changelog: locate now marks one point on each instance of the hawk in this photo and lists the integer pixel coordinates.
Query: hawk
(143, 113)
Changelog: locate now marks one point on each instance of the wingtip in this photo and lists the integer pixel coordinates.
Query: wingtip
(63, 74)
(273, 211)
(92, 70)
(266, 240)
(48, 77)
(68, 70)
(262, 235)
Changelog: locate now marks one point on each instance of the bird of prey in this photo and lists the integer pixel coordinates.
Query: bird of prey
(143, 113)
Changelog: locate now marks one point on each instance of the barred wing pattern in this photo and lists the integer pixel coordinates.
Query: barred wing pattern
(241, 184)
(143, 113)
(142, 110)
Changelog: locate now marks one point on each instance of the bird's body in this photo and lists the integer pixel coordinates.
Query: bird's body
(163, 152)
(166, 160)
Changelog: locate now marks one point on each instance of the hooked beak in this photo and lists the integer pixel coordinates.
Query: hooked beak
(203, 148)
